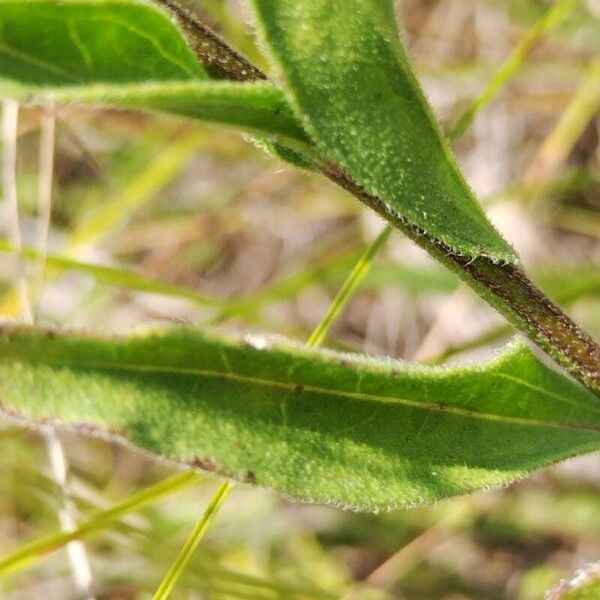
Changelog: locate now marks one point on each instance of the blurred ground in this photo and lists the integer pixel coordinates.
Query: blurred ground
(268, 247)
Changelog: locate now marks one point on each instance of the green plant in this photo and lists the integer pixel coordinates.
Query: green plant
(314, 425)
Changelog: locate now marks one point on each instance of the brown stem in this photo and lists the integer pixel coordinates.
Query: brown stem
(524, 305)
(505, 287)
(220, 60)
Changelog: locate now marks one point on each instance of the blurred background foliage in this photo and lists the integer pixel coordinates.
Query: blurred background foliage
(156, 220)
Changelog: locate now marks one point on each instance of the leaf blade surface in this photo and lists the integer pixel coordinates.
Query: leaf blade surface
(316, 426)
(346, 73)
(78, 42)
(258, 107)
(126, 54)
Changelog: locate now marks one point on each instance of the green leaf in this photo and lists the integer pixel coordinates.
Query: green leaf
(346, 73)
(314, 425)
(128, 54)
(78, 42)
(254, 106)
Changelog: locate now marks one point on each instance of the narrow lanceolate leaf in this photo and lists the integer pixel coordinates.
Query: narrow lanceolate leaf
(254, 106)
(346, 73)
(316, 426)
(127, 54)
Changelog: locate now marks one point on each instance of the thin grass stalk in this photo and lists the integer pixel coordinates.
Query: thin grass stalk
(201, 527)
(361, 268)
(58, 467)
(33, 551)
(36, 550)
(513, 63)
(114, 275)
(78, 557)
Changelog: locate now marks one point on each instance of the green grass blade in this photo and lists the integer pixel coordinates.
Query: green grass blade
(317, 426)
(509, 68)
(101, 220)
(192, 542)
(116, 276)
(579, 112)
(342, 298)
(33, 551)
(36, 550)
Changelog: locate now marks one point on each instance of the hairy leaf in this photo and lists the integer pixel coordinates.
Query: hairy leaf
(255, 106)
(128, 54)
(347, 74)
(316, 426)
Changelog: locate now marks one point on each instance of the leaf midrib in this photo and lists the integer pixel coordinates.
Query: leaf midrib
(294, 387)
(36, 62)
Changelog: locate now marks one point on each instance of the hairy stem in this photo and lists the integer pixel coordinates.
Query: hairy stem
(220, 60)
(508, 289)
(505, 287)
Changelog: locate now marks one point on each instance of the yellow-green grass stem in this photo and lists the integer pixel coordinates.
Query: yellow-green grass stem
(31, 552)
(195, 537)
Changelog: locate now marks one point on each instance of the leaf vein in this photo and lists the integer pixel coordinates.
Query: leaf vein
(293, 386)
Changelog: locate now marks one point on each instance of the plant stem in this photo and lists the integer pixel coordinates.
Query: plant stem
(508, 289)
(218, 58)
(10, 120)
